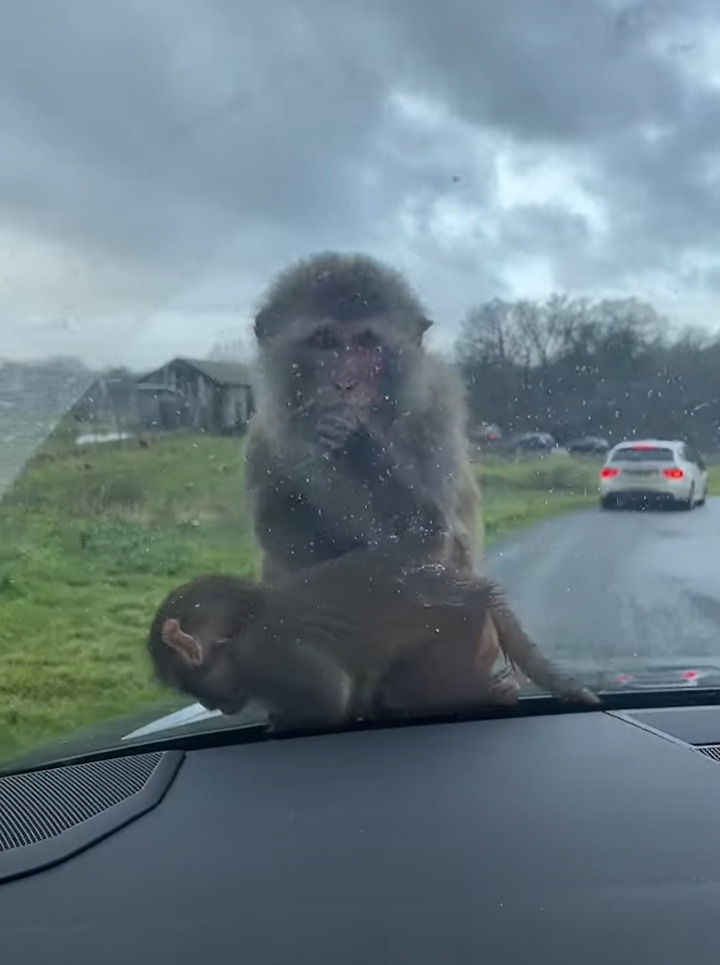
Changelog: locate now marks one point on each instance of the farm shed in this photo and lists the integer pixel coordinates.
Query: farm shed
(197, 394)
(109, 400)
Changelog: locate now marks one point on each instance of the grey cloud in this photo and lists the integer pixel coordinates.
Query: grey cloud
(160, 134)
(585, 75)
(268, 134)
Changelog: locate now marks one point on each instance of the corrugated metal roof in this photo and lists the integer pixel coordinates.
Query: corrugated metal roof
(222, 373)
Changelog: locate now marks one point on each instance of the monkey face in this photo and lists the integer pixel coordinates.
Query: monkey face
(353, 367)
(341, 334)
(348, 363)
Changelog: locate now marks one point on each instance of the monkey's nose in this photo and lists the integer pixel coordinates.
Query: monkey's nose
(345, 385)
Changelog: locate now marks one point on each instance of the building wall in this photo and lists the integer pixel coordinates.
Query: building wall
(194, 402)
(235, 407)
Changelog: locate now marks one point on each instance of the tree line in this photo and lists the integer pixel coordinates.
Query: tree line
(576, 367)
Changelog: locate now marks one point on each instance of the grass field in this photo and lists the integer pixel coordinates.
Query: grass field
(92, 538)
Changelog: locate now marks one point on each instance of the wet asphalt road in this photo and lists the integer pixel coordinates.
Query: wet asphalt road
(618, 584)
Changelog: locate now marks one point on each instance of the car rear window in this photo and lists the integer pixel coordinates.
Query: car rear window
(643, 454)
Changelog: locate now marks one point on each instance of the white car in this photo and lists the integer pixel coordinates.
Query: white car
(657, 469)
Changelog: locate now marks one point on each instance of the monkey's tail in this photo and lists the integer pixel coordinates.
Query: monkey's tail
(526, 656)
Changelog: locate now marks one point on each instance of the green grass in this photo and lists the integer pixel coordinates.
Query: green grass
(91, 540)
(518, 494)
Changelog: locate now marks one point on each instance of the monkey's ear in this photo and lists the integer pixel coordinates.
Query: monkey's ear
(423, 324)
(185, 645)
(265, 325)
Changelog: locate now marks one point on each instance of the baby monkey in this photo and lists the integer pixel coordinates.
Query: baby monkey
(366, 635)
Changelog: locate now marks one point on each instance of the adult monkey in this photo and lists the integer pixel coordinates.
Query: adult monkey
(359, 435)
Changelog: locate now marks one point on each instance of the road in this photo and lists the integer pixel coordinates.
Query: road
(617, 584)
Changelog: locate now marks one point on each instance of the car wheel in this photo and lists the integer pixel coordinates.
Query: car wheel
(688, 503)
(701, 502)
(608, 502)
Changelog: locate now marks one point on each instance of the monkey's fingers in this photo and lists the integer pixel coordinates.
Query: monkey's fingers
(503, 691)
(573, 691)
(334, 430)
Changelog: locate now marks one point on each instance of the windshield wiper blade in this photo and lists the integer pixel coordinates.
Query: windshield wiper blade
(261, 730)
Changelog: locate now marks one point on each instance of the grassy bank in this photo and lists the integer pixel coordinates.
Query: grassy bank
(91, 539)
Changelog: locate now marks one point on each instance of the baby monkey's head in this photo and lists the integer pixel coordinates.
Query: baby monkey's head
(195, 637)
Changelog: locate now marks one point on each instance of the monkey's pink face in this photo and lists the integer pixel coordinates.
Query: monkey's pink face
(349, 362)
(346, 363)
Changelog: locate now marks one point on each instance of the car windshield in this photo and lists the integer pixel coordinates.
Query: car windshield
(643, 454)
(314, 319)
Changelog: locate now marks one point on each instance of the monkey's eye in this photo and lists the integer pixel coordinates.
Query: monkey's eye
(325, 339)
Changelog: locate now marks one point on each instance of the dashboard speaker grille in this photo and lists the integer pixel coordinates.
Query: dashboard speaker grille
(711, 750)
(48, 815)
(42, 804)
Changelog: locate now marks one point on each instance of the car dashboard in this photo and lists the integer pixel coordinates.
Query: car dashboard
(578, 837)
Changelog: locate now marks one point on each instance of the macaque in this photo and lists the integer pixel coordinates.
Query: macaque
(348, 639)
(359, 436)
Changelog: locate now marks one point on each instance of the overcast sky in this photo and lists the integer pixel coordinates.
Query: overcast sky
(160, 159)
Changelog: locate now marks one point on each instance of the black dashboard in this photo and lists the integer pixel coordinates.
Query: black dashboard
(576, 838)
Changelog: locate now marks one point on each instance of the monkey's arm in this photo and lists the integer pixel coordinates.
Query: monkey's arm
(299, 682)
(304, 508)
(467, 548)
(426, 454)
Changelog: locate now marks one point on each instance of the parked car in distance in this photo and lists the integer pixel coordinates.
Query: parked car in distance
(588, 445)
(486, 433)
(653, 470)
(534, 442)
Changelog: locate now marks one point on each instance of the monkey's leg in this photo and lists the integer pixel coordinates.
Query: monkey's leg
(526, 655)
(300, 685)
(443, 676)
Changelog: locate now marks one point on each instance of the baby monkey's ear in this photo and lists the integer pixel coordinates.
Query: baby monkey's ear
(185, 646)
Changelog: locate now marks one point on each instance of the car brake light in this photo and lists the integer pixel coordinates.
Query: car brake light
(689, 675)
(623, 678)
(609, 473)
(673, 473)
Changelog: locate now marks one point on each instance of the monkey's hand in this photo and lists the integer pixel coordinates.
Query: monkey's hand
(568, 688)
(334, 427)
